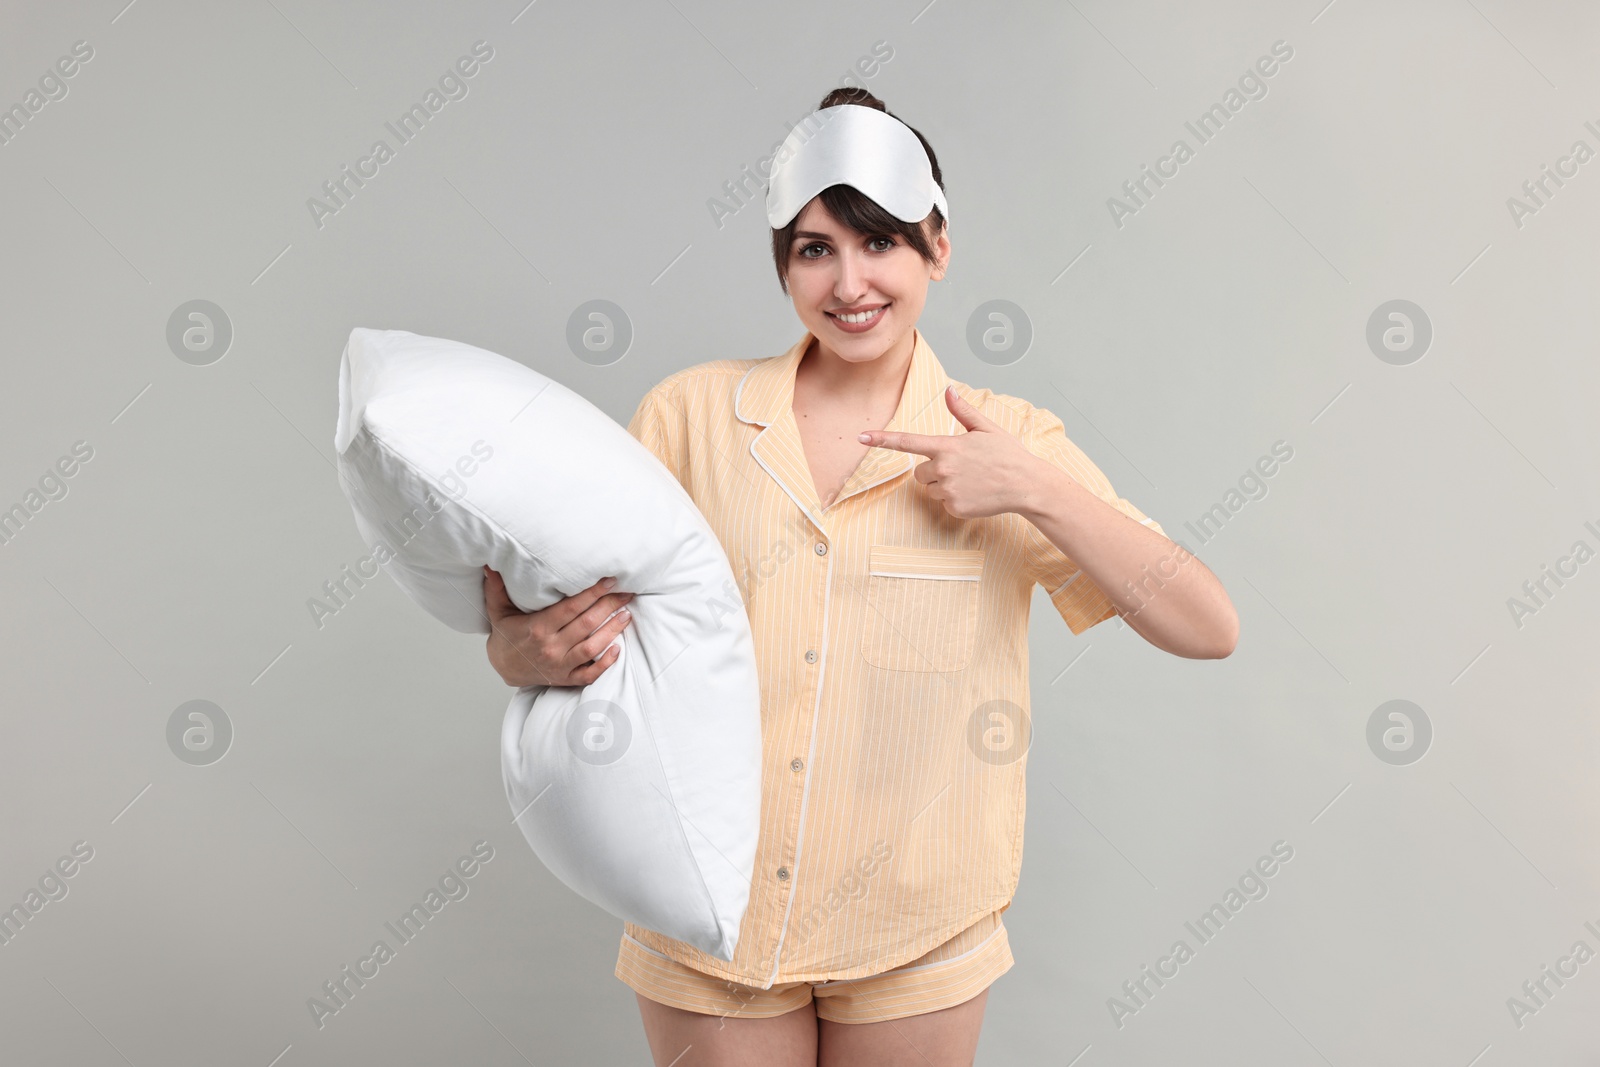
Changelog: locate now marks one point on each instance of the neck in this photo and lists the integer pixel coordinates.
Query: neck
(885, 376)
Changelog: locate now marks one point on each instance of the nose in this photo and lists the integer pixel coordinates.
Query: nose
(851, 283)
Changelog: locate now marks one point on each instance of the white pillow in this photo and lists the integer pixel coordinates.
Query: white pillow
(641, 791)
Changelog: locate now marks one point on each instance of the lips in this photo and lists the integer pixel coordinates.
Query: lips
(873, 315)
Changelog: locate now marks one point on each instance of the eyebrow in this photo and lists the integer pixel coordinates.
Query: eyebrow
(813, 235)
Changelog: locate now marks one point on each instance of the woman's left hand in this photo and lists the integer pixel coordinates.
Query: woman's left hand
(985, 471)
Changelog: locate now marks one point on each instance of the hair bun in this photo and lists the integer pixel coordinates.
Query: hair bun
(851, 94)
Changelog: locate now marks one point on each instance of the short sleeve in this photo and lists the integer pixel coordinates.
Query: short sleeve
(1081, 603)
(658, 425)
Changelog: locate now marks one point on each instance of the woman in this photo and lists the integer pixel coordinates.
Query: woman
(888, 600)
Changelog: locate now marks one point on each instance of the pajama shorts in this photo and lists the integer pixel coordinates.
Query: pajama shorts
(950, 974)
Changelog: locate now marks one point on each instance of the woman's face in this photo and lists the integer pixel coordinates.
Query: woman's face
(834, 270)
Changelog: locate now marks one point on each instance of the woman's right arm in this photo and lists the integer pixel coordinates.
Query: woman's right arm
(555, 645)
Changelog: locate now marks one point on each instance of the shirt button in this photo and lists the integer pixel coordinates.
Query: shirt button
(822, 549)
(811, 655)
(796, 764)
(783, 874)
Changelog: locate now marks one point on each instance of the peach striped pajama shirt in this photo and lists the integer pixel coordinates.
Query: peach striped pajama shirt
(891, 643)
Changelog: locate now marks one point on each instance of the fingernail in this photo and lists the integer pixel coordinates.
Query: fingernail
(865, 438)
(607, 583)
(625, 613)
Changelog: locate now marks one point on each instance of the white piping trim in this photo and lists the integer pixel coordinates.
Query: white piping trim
(914, 574)
(1075, 576)
(924, 966)
(801, 504)
(777, 954)
(811, 762)
(738, 394)
(648, 949)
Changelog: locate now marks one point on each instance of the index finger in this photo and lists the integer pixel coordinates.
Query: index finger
(920, 443)
(565, 610)
(499, 603)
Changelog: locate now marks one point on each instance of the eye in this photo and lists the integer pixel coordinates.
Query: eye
(890, 242)
(809, 247)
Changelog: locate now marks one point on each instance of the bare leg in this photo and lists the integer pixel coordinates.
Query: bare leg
(944, 1038)
(680, 1038)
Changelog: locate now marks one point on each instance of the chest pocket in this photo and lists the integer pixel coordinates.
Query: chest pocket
(922, 608)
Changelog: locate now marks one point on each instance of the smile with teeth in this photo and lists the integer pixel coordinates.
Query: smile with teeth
(860, 317)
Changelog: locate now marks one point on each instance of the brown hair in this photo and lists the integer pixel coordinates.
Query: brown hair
(855, 210)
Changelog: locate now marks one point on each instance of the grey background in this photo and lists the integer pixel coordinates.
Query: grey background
(1229, 313)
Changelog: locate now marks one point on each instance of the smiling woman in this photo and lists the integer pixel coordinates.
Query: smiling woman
(890, 627)
(859, 219)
